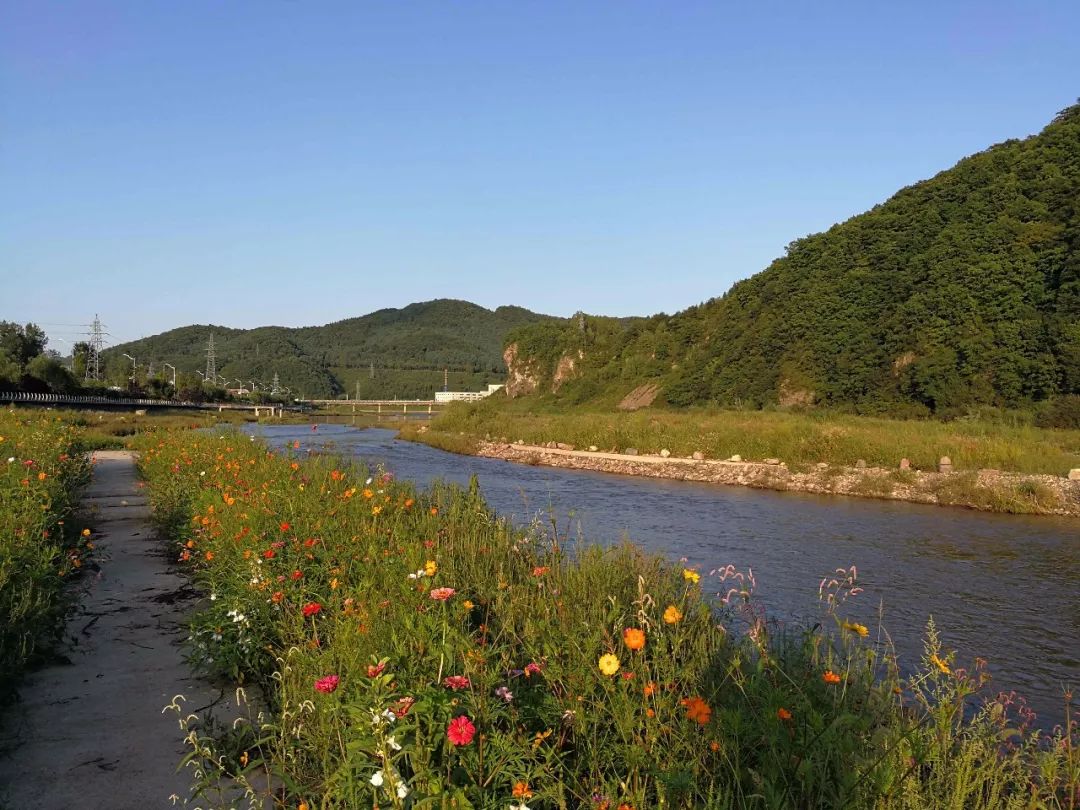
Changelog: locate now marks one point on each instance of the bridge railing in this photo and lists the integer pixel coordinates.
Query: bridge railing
(89, 399)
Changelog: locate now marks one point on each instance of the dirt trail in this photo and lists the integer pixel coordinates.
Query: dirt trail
(90, 733)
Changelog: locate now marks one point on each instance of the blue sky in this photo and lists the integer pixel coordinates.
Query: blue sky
(246, 163)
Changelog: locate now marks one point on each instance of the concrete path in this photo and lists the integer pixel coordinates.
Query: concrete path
(90, 733)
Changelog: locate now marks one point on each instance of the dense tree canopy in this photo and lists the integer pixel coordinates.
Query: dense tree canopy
(407, 348)
(963, 289)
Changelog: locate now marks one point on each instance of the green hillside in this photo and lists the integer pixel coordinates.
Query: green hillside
(390, 353)
(960, 290)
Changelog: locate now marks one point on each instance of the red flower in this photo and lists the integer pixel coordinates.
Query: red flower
(442, 594)
(375, 670)
(311, 608)
(532, 668)
(269, 554)
(284, 527)
(297, 574)
(456, 682)
(460, 731)
(327, 684)
(402, 706)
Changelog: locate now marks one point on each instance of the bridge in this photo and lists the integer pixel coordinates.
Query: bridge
(88, 401)
(378, 405)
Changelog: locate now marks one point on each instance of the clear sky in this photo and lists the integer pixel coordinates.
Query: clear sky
(245, 163)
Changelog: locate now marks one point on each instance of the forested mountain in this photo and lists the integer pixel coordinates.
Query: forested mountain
(390, 353)
(960, 290)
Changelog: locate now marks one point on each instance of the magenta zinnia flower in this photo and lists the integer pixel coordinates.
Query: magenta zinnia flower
(327, 684)
(460, 731)
(456, 682)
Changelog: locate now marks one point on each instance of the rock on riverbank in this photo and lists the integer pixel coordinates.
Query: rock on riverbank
(989, 490)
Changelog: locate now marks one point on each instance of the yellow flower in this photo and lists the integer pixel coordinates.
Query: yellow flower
(672, 615)
(941, 665)
(430, 568)
(85, 532)
(244, 759)
(859, 629)
(691, 576)
(376, 509)
(608, 664)
(333, 584)
(467, 604)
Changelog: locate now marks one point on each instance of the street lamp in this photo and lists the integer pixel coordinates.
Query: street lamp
(134, 365)
(170, 365)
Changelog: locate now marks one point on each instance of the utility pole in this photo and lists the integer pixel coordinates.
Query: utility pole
(96, 343)
(357, 390)
(446, 379)
(371, 373)
(211, 360)
(170, 365)
(275, 388)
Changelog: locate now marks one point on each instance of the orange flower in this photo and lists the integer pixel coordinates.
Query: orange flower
(714, 746)
(672, 615)
(783, 714)
(209, 556)
(633, 638)
(830, 677)
(650, 689)
(697, 710)
(521, 790)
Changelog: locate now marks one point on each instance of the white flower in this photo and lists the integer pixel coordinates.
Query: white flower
(377, 778)
(202, 473)
(367, 482)
(11, 460)
(521, 806)
(402, 790)
(394, 744)
(213, 597)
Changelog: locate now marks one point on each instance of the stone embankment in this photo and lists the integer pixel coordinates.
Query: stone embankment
(991, 490)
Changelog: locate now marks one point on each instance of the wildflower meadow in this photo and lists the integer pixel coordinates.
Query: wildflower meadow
(410, 649)
(41, 543)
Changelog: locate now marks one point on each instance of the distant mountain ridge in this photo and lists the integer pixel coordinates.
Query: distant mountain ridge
(390, 352)
(960, 290)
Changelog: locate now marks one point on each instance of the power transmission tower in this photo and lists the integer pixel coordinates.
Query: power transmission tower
(275, 385)
(211, 361)
(96, 344)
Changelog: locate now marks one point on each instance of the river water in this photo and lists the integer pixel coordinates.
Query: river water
(1003, 587)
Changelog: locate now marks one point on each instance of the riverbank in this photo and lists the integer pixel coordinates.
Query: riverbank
(418, 649)
(986, 490)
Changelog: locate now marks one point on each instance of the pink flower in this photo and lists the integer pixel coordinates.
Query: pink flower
(456, 682)
(442, 594)
(374, 670)
(532, 668)
(328, 684)
(311, 608)
(460, 731)
(402, 706)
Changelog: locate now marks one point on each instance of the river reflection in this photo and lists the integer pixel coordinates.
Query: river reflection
(1002, 587)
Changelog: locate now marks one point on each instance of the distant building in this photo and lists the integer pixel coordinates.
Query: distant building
(465, 396)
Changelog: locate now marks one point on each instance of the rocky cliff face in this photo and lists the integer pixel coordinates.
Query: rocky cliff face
(525, 375)
(521, 373)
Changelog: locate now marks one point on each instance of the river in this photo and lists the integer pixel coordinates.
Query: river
(1003, 587)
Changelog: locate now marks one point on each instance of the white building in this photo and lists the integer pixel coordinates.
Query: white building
(465, 396)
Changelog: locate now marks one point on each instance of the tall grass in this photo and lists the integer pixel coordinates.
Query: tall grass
(797, 438)
(416, 651)
(41, 544)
